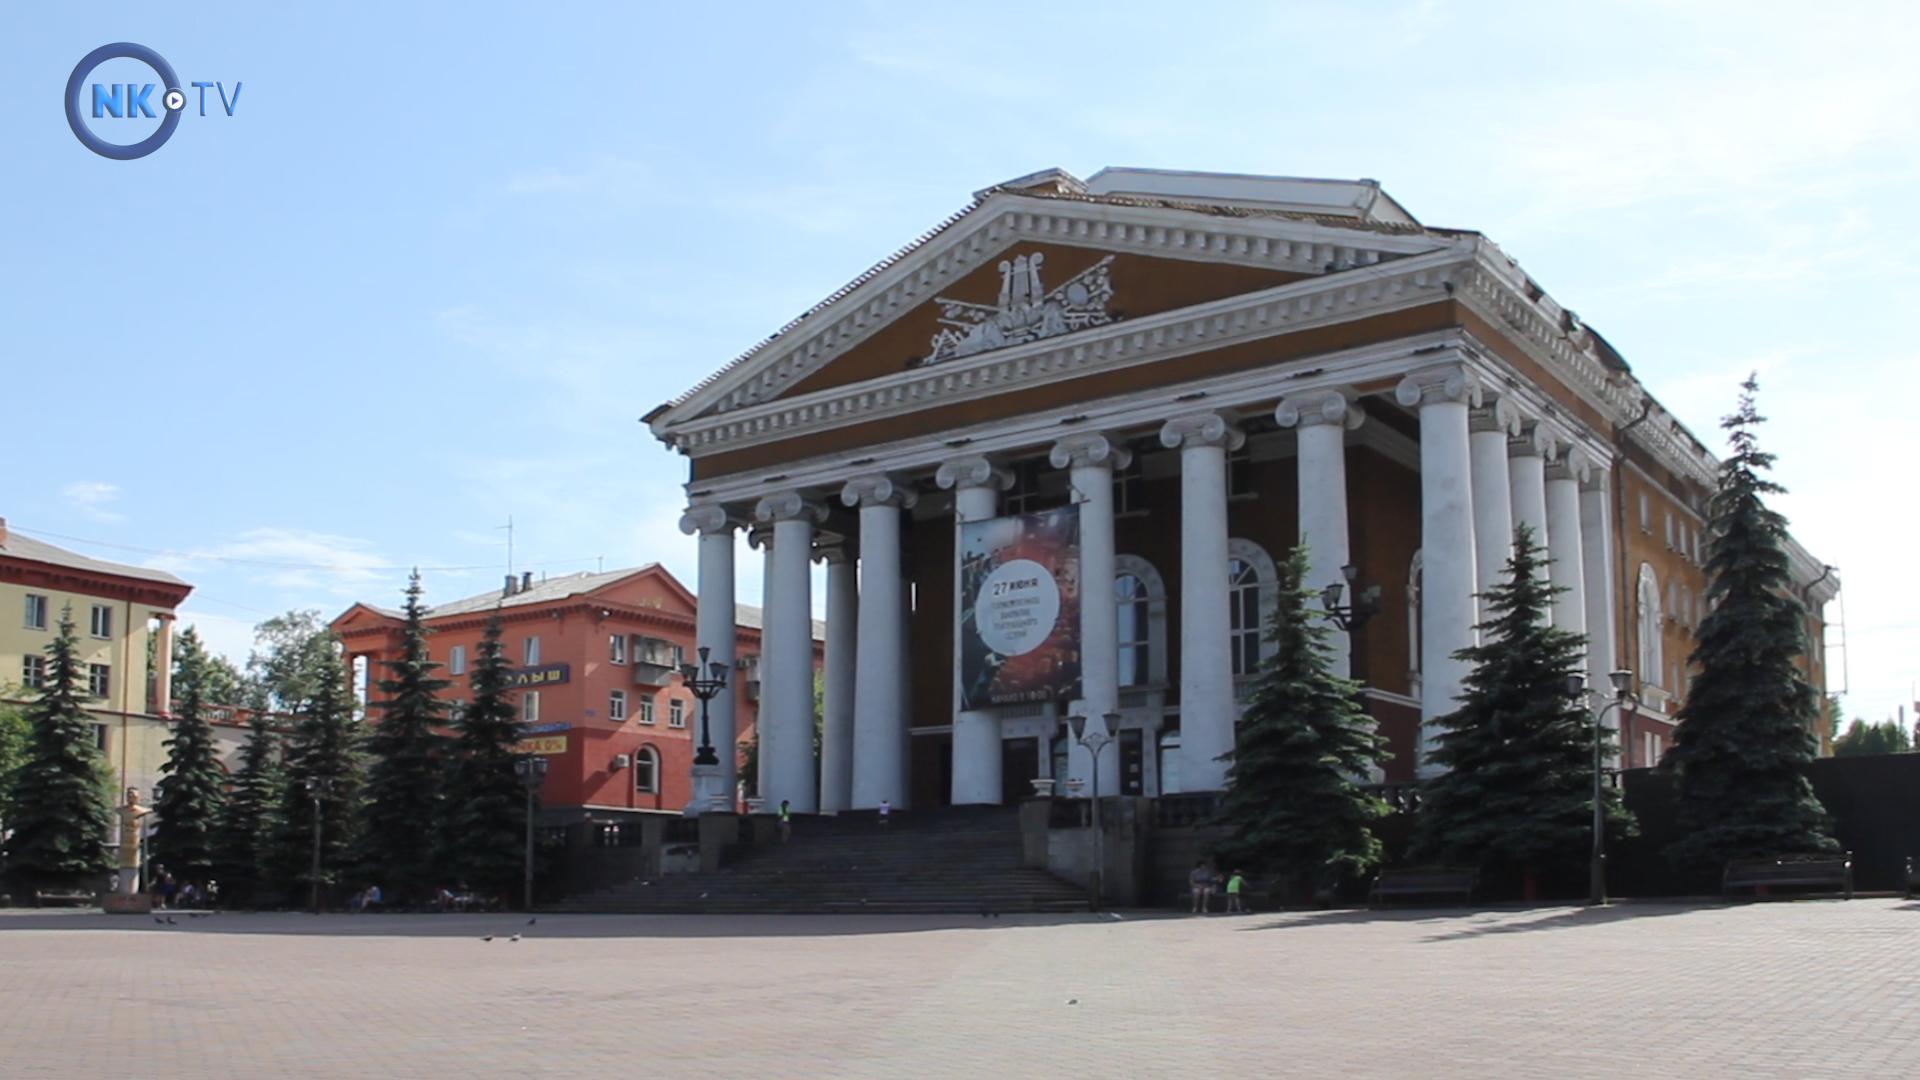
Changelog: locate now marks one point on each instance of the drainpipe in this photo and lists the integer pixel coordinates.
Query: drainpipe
(1629, 587)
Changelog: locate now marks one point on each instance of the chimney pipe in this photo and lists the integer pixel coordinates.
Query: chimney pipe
(526, 581)
(507, 590)
(3, 532)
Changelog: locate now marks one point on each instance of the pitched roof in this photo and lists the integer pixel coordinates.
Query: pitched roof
(14, 545)
(554, 589)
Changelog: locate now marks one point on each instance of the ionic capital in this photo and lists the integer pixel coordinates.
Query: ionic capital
(1534, 439)
(833, 554)
(1202, 429)
(1085, 448)
(1495, 414)
(876, 489)
(707, 520)
(972, 471)
(1439, 385)
(1572, 463)
(789, 506)
(1323, 407)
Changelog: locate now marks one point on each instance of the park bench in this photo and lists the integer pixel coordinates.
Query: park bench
(1813, 873)
(42, 897)
(1424, 881)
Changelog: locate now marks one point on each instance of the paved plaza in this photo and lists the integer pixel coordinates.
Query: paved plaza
(1812, 989)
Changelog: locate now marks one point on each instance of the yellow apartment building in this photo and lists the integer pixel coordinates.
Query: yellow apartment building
(123, 616)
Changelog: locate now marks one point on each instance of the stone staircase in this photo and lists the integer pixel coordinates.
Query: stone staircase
(945, 859)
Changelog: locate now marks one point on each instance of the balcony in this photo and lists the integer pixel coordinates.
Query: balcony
(654, 661)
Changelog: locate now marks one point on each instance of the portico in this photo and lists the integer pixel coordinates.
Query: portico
(1208, 390)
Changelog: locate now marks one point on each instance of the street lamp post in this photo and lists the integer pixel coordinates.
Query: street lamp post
(532, 772)
(317, 787)
(1623, 698)
(1095, 733)
(706, 679)
(1350, 618)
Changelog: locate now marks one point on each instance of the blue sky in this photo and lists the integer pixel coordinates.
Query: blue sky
(441, 258)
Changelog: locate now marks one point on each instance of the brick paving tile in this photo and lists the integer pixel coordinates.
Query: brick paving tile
(1811, 989)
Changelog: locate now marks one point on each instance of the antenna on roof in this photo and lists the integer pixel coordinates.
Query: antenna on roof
(509, 527)
(599, 561)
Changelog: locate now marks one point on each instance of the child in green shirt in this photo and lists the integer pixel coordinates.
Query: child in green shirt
(1235, 883)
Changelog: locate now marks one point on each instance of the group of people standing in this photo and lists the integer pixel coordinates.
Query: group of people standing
(1206, 882)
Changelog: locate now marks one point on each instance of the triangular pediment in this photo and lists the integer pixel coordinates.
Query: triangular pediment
(651, 586)
(1161, 255)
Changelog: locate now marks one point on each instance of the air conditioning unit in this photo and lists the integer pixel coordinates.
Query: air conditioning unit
(622, 761)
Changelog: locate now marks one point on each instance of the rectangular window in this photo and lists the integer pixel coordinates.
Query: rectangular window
(36, 612)
(617, 705)
(102, 624)
(530, 707)
(679, 657)
(617, 648)
(33, 672)
(455, 710)
(1669, 530)
(99, 680)
(530, 652)
(646, 771)
(676, 713)
(1646, 514)
(457, 660)
(100, 737)
(646, 709)
(1240, 472)
(1127, 484)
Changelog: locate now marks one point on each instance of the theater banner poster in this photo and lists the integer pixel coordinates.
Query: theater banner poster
(1020, 609)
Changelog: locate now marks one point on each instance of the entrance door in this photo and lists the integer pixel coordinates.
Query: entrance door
(1019, 763)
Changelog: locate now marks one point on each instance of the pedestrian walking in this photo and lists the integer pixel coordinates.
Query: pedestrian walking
(786, 820)
(1236, 882)
(886, 811)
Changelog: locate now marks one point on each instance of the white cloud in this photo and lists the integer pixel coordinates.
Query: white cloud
(91, 497)
(291, 558)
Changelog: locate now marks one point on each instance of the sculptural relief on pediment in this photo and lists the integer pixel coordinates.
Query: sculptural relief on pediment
(1025, 312)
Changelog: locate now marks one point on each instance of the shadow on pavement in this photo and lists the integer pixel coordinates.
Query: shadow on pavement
(1470, 922)
(504, 925)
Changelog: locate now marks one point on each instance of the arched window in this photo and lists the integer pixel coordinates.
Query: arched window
(1250, 600)
(1649, 626)
(646, 770)
(1141, 597)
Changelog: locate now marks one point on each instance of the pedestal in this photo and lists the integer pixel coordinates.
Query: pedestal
(710, 791)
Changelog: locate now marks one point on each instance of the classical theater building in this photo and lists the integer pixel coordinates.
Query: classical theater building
(1211, 369)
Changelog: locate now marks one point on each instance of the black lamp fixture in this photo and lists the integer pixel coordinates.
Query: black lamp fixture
(706, 689)
(1366, 603)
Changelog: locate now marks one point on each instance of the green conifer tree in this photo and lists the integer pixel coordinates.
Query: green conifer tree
(485, 809)
(325, 767)
(1745, 734)
(396, 848)
(1303, 747)
(247, 824)
(192, 792)
(60, 821)
(213, 675)
(1517, 790)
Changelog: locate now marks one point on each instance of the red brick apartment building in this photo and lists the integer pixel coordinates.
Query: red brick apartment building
(597, 657)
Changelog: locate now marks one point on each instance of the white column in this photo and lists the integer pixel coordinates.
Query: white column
(837, 681)
(976, 484)
(880, 705)
(1092, 456)
(786, 654)
(714, 630)
(1568, 569)
(1596, 553)
(1490, 426)
(1446, 538)
(1321, 422)
(761, 536)
(163, 666)
(1206, 662)
(1527, 463)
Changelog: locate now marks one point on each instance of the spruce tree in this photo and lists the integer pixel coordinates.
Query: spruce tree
(247, 823)
(60, 820)
(195, 668)
(1744, 735)
(1302, 749)
(485, 810)
(396, 849)
(325, 750)
(192, 792)
(1517, 790)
